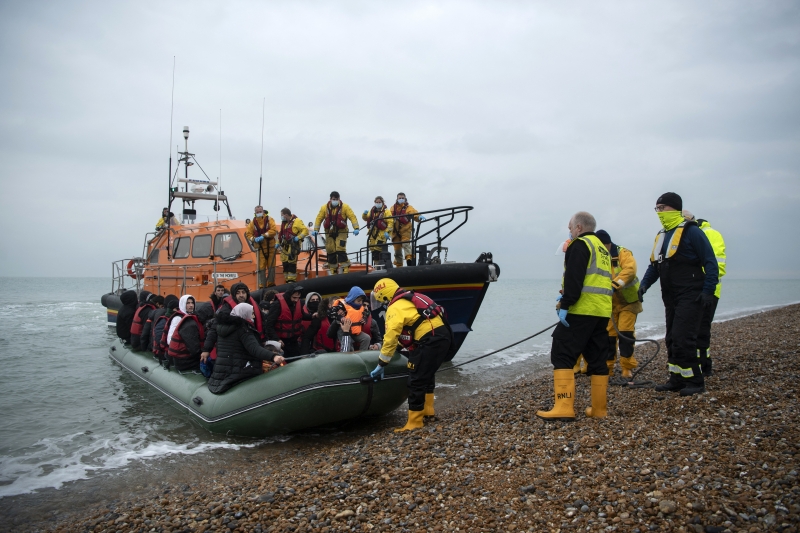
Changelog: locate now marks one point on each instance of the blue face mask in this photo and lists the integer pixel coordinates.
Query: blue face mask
(334, 203)
(355, 305)
(401, 201)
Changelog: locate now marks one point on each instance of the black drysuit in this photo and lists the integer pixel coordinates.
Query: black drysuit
(125, 315)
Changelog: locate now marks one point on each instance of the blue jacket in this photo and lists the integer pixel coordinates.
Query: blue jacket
(695, 247)
(354, 293)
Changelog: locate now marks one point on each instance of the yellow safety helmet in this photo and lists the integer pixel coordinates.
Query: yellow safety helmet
(385, 290)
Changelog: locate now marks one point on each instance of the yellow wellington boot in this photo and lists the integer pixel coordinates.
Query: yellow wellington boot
(428, 410)
(564, 408)
(577, 368)
(414, 421)
(346, 268)
(628, 364)
(599, 397)
(610, 365)
(333, 271)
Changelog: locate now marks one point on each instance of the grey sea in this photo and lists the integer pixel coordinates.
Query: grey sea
(69, 413)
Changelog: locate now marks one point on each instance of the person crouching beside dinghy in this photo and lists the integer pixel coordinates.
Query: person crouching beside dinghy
(583, 311)
(185, 337)
(239, 352)
(426, 336)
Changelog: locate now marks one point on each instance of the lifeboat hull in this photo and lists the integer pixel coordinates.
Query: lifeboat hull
(326, 390)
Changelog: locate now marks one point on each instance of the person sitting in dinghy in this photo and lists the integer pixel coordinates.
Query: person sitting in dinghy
(239, 351)
(239, 294)
(185, 337)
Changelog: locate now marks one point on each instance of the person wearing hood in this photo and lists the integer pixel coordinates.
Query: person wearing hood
(380, 225)
(290, 235)
(261, 233)
(404, 215)
(145, 341)
(333, 216)
(311, 322)
(239, 294)
(357, 314)
(218, 296)
(625, 306)
(684, 261)
(140, 317)
(185, 337)
(704, 335)
(125, 315)
(157, 321)
(239, 351)
(284, 321)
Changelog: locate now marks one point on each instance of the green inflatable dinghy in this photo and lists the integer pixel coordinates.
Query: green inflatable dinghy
(325, 390)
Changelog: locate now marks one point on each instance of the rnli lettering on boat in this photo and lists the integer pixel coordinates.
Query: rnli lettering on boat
(225, 275)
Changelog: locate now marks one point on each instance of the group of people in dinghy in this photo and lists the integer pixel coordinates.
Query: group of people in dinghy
(233, 337)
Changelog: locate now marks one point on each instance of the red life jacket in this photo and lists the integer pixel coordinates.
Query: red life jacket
(335, 217)
(375, 219)
(177, 347)
(289, 325)
(162, 344)
(286, 234)
(426, 308)
(258, 231)
(137, 326)
(398, 210)
(321, 340)
(256, 311)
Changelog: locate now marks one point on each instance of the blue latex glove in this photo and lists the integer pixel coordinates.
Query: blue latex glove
(558, 298)
(314, 233)
(386, 234)
(366, 212)
(422, 218)
(277, 246)
(295, 239)
(259, 238)
(355, 232)
(377, 374)
(562, 316)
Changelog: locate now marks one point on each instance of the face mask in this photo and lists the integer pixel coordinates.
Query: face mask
(313, 306)
(670, 219)
(284, 218)
(355, 305)
(378, 205)
(259, 215)
(401, 201)
(334, 203)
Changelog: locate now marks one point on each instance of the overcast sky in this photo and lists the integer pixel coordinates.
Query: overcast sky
(528, 111)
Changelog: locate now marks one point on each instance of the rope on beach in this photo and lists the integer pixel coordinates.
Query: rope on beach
(499, 350)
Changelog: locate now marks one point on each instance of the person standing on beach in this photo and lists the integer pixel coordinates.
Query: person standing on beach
(684, 261)
(704, 335)
(625, 306)
(583, 309)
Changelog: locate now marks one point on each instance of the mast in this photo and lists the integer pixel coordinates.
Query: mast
(169, 175)
(261, 175)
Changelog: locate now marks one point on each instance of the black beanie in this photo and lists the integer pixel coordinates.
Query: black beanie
(603, 235)
(671, 199)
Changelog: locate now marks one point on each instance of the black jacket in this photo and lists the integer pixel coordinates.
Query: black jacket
(575, 263)
(136, 342)
(239, 355)
(191, 337)
(125, 315)
(206, 315)
(224, 309)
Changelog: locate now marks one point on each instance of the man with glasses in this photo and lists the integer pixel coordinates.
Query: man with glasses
(684, 261)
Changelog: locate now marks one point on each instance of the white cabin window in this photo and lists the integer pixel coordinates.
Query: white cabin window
(227, 245)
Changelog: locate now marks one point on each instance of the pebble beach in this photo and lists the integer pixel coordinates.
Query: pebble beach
(726, 460)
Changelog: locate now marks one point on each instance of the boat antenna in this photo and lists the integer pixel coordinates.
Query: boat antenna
(219, 179)
(169, 176)
(261, 175)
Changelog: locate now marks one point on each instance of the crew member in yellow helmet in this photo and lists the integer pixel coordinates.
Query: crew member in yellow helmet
(682, 258)
(625, 306)
(583, 309)
(414, 322)
(704, 335)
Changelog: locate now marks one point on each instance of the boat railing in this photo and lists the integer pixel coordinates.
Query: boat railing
(127, 274)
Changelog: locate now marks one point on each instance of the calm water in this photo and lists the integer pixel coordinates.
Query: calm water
(70, 413)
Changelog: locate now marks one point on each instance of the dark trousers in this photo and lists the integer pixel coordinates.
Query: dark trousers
(423, 362)
(585, 335)
(683, 313)
(703, 336)
(291, 347)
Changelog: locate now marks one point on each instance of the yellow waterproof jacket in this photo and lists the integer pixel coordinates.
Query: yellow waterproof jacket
(298, 230)
(403, 314)
(266, 227)
(374, 231)
(346, 212)
(718, 245)
(400, 229)
(626, 276)
(163, 222)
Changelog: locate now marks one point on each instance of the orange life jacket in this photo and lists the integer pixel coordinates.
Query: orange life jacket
(356, 316)
(289, 325)
(137, 325)
(335, 217)
(177, 346)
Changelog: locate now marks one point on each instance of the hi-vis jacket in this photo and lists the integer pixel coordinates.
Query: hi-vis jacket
(718, 244)
(400, 315)
(624, 280)
(595, 290)
(337, 216)
(264, 226)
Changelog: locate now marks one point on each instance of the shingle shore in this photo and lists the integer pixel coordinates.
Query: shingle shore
(726, 460)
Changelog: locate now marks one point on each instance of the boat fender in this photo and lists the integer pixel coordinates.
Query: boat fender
(197, 400)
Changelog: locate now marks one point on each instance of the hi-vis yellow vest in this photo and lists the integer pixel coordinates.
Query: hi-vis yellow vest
(672, 246)
(595, 299)
(718, 245)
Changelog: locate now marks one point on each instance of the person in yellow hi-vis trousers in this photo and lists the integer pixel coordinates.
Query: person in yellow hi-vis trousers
(290, 237)
(261, 233)
(379, 225)
(333, 217)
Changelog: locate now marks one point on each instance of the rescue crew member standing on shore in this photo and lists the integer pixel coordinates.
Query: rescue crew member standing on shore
(401, 231)
(704, 335)
(583, 310)
(379, 226)
(334, 216)
(290, 238)
(428, 339)
(261, 232)
(625, 306)
(683, 259)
